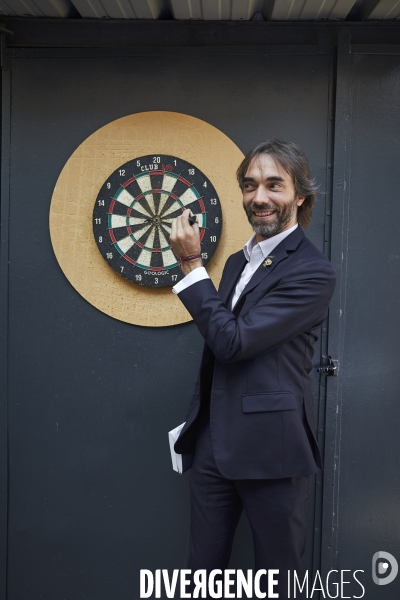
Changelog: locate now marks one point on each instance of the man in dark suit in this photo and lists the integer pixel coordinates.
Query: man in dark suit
(250, 422)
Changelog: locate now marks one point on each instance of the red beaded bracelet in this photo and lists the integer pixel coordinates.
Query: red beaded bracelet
(192, 257)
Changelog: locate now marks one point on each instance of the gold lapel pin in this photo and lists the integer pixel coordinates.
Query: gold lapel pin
(268, 261)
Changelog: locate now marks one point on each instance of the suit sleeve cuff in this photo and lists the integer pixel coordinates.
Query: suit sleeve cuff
(193, 277)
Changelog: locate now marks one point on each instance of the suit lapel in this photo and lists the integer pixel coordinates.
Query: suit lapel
(289, 244)
(279, 253)
(231, 275)
(238, 262)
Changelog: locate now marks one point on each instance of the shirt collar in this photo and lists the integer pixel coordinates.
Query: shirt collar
(266, 246)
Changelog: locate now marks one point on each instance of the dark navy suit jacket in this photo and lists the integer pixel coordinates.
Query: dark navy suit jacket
(256, 362)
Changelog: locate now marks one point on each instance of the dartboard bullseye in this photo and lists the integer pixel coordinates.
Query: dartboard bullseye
(134, 210)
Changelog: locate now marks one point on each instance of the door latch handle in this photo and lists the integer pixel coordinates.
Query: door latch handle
(332, 368)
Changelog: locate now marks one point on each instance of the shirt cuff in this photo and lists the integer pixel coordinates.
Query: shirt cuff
(193, 277)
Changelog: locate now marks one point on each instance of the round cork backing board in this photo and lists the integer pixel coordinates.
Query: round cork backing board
(76, 190)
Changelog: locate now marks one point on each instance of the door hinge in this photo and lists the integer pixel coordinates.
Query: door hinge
(331, 368)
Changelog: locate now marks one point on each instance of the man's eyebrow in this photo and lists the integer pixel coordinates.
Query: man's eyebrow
(275, 178)
(272, 178)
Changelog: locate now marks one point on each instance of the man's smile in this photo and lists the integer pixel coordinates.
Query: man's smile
(263, 214)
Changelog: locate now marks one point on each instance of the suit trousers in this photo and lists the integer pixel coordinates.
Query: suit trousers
(275, 508)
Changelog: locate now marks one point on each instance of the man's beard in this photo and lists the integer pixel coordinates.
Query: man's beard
(283, 216)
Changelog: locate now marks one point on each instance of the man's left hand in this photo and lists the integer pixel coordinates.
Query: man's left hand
(185, 241)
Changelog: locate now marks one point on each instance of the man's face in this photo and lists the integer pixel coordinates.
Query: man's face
(269, 197)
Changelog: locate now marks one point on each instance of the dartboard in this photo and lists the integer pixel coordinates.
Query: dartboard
(134, 210)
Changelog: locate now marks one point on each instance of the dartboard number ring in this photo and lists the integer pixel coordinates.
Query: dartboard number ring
(134, 210)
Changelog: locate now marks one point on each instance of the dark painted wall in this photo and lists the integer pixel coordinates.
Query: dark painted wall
(91, 494)
(92, 497)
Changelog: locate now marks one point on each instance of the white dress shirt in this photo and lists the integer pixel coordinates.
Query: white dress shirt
(255, 254)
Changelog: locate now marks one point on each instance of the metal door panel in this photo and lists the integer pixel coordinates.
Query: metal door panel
(364, 456)
(92, 496)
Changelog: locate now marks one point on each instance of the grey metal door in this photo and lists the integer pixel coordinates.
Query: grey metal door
(92, 497)
(362, 484)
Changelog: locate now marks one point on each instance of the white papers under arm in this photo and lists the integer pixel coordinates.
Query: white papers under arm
(176, 458)
(180, 462)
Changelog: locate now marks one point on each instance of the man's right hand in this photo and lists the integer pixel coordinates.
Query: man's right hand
(185, 241)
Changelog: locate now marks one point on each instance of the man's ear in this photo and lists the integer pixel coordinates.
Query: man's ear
(300, 200)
